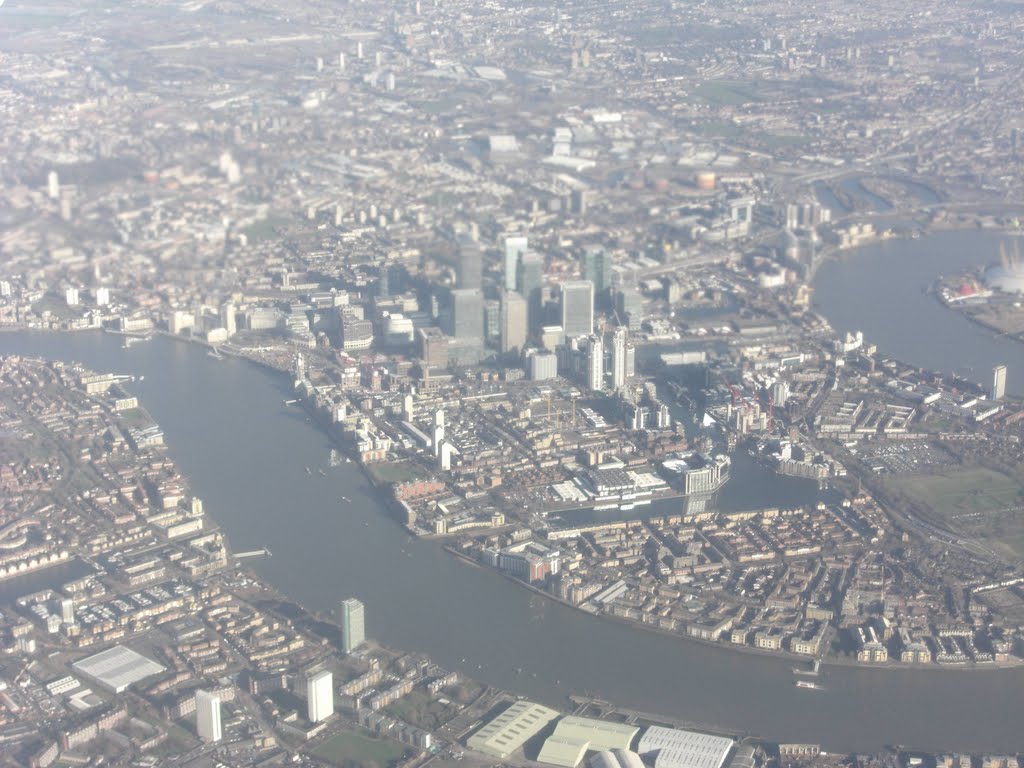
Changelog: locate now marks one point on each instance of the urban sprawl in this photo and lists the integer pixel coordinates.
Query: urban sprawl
(543, 271)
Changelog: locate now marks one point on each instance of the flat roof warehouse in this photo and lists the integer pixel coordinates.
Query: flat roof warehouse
(118, 668)
(574, 737)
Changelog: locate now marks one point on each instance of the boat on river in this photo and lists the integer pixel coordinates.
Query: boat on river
(809, 685)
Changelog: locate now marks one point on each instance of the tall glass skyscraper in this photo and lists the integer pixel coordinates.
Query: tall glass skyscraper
(530, 280)
(353, 628)
(578, 308)
(515, 248)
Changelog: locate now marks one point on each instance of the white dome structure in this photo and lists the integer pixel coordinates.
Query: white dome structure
(1008, 278)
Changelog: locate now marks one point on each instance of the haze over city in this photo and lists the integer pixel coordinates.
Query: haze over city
(426, 383)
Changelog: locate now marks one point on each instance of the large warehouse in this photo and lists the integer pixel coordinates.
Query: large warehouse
(671, 748)
(575, 736)
(511, 729)
(117, 668)
(616, 758)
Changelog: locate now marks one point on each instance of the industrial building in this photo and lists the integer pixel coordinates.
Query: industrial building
(567, 753)
(575, 736)
(118, 668)
(671, 748)
(511, 729)
(616, 758)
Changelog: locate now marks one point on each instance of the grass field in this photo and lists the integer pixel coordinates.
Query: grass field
(781, 141)
(979, 503)
(964, 492)
(730, 93)
(264, 229)
(398, 472)
(350, 747)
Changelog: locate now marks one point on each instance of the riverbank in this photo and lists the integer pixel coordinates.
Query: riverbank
(380, 490)
(245, 454)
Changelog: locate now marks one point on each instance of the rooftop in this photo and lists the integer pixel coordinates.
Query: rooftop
(117, 668)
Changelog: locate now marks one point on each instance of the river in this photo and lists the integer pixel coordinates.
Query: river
(245, 453)
(880, 290)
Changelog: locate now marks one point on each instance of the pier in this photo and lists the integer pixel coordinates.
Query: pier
(265, 552)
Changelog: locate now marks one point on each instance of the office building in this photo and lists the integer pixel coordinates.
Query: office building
(208, 716)
(999, 382)
(578, 201)
(227, 318)
(543, 365)
(578, 308)
(492, 322)
(67, 610)
(353, 628)
(629, 305)
(595, 363)
(552, 337)
(391, 280)
(597, 268)
(356, 333)
(102, 297)
(529, 281)
(53, 185)
(618, 358)
(71, 297)
(515, 248)
(514, 318)
(320, 696)
(470, 263)
(467, 314)
(432, 347)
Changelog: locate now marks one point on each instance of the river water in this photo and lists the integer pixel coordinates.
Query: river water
(245, 453)
(880, 290)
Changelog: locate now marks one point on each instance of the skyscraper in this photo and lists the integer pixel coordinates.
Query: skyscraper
(467, 318)
(578, 307)
(619, 357)
(320, 696)
(998, 382)
(629, 305)
(391, 280)
(228, 320)
(515, 247)
(353, 628)
(597, 268)
(432, 347)
(514, 317)
(470, 264)
(595, 364)
(492, 321)
(530, 280)
(208, 716)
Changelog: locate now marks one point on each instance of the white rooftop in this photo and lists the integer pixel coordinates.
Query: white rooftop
(672, 748)
(118, 667)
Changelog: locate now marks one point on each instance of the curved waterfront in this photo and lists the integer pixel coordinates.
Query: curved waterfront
(245, 453)
(880, 290)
